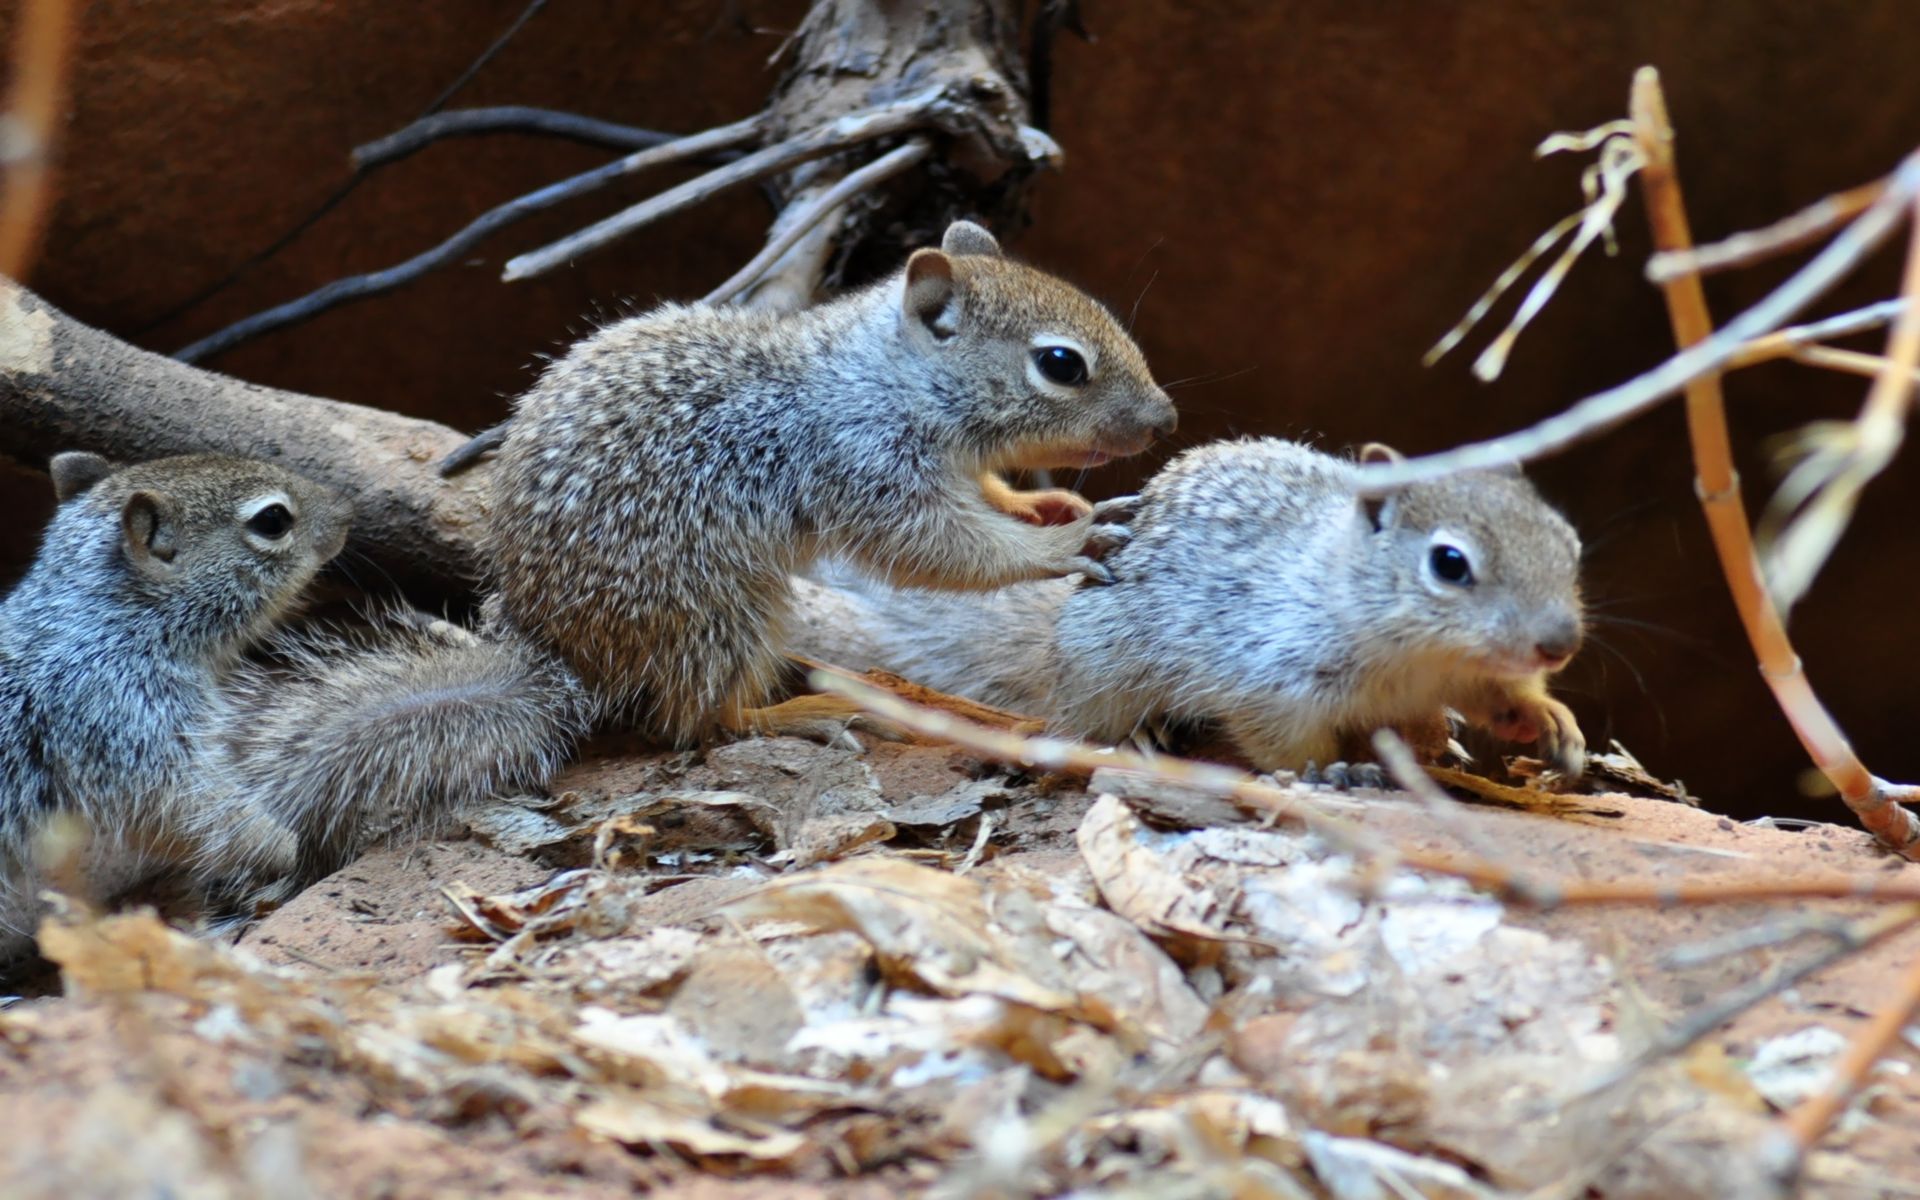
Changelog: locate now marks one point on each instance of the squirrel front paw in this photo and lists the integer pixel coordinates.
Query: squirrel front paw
(1550, 726)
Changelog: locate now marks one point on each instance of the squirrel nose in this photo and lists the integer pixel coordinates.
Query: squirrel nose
(1558, 642)
(1168, 421)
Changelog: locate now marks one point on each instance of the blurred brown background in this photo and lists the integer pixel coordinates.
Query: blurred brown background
(1298, 196)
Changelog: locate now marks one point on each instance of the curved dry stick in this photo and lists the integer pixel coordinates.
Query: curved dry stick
(817, 210)
(356, 287)
(1069, 756)
(42, 49)
(853, 129)
(1603, 410)
(1718, 486)
(505, 118)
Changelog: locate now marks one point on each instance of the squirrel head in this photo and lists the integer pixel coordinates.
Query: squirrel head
(226, 545)
(1486, 568)
(1052, 379)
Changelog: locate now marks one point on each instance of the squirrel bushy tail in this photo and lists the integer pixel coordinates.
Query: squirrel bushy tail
(348, 739)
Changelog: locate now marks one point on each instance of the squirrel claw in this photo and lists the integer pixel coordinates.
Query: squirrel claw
(1103, 540)
(1117, 510)
(1089, 570)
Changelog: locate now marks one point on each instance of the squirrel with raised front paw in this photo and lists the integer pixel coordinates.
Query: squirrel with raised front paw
(664, 480)
(1261, 596)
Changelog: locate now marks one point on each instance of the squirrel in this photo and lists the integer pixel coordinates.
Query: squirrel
(665, 478)
(150, 584)
(128, 701)
(1259, 595)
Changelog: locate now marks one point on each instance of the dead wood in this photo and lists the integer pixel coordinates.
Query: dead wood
(65, 386)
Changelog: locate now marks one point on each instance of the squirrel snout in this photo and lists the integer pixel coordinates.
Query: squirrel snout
(1558, 642)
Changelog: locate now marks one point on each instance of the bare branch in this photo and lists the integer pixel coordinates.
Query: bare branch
(1603, 410)
(850, 130)
(357, 287)
(507, 118)
(799, 223)
(1789, 233)
(1718, 486)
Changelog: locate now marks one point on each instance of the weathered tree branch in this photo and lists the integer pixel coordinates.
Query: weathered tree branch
(66, 386)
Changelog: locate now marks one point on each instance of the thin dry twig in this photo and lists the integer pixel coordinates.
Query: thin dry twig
(798, 224)
(1074, 757)
(1787, 234)
(1603, 410)
(356, 287)
(1718, 486)
(1813, 1117)
(1681, 1036)
(42, 50)
(851, 130)
(504, 118)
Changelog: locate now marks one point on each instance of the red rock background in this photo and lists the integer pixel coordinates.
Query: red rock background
(1299, 197)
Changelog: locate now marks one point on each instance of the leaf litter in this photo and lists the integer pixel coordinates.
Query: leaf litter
(1125, 995)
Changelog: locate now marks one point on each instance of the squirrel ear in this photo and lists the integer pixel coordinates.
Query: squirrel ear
(930, 297)
(964, 237)
(149, 527)
(75, 471)
(1378, 510)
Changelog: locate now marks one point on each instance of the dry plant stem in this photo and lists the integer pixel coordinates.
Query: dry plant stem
(42, 49)
(817, 210)
(1835, 359)
(848, 131)
(1742, 249)
(1718, 486)
(1814, 1116)
(1079, 758)
(1785, 343)
(1603, 410)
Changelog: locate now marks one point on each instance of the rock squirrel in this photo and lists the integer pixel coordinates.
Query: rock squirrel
(127, 705)
(150, 584)
(1259, 596)
(665, 478)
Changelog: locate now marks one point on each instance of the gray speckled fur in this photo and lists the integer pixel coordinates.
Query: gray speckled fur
(1256, 593)
(107, 670)
(344, 740)
(664, 479)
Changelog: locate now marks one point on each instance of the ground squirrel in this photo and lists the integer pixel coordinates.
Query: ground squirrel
(664, 478)
(1260, 596)
(126, 703)
(150, 584)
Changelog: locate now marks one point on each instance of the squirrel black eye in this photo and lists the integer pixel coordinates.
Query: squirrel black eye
(271, 522)
(1061, 365)
(1450, 565)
